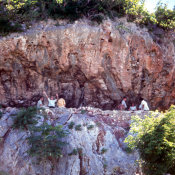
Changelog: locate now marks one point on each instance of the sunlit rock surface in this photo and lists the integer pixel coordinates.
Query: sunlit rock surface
(108, 133)
(88, 65)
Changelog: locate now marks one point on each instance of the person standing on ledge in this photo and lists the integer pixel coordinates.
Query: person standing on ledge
(133, 107)
(40, 102)
(144, 105)
(51, 100)
(123, 105)
(61, 102)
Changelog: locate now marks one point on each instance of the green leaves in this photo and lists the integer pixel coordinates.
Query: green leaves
(154, 137)
(89, 127)
(104, 150)
(78, 128)
(17, 12)
(25, 118)
(46, 141)
(71, 125)
(165, 17)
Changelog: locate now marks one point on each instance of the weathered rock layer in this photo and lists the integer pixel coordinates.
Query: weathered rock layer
(88, 65)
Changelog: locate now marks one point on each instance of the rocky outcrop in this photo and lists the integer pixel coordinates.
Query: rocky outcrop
(101, 150)
(88, 65)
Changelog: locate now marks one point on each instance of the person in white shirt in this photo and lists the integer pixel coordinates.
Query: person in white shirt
(40, 102)
(133, 107)
(144, 105)
(51, 100)
(123, 105)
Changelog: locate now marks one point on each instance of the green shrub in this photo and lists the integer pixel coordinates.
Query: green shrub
(46, 141)
(27, 11)
(71, 125)
(165, 17)
(7, 27)
(154, 138)
(78, 128)
(128, 150)
(105, 165)
(25, 117)
(1, 114)
(104, 150)
(121, 28)
(83, 111)
(3, 173)
(74, 152)
(89, 127)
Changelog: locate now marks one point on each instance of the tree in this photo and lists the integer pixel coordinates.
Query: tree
(46, 141)
(154, 138)
(165, 17)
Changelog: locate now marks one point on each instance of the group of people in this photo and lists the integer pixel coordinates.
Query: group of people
(60, 102)
(52, 103)
(143, 105)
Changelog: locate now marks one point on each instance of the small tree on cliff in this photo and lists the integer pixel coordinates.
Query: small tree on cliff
(154, 137)
(46, 141)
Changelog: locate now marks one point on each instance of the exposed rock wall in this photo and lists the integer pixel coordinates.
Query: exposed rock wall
(88, 65)
(108, 133)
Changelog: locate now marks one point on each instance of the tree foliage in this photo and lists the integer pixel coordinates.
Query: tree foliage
(165, 17)
(25, 117)
(46, 141)
(24, 11)
(154, 137)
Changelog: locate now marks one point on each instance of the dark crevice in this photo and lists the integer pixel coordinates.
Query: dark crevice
(82, 169)
(2, 139)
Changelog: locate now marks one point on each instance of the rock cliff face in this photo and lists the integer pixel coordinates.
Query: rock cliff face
(88, 65)
(101, 150)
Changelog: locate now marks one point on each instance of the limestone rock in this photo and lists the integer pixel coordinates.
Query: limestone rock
(100, 148)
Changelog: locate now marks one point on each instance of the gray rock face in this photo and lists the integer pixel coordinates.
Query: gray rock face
(99, 145)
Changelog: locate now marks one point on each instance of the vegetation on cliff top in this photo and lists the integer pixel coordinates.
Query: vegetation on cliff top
(154, 137)
(16, 12)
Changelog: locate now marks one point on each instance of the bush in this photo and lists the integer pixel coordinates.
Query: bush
(25, 117)
(78, 128)
(154, 138)
(46, 141)
(27, 11)
(104, 150)
(89, 127)
(165, 17)
(1, 114)
(83, 111)
(3, 173)
(71, 125)
(7, 27)
(74, 152)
